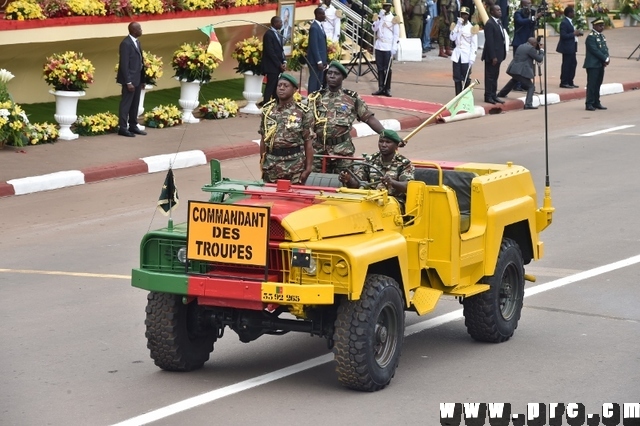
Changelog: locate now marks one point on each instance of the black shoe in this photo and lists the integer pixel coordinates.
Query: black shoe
(388, 94)
(530, 107)
(379, 92)
(590, 108)
(567, 86)
(489, 101)
(517, 89)
(573, 86)
(599, 106)
(500, 101)
(137, 131)
(124, 132)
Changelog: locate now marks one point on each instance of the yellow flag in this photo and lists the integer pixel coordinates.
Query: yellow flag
(215, 48)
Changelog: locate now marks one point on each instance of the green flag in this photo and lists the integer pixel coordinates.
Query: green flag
(169, 196)
(462, 102)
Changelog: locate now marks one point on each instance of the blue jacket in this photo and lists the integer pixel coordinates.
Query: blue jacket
(524, 27)
(567, 43)
(317, 48)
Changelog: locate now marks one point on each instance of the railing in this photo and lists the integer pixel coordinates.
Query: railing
(356, 27)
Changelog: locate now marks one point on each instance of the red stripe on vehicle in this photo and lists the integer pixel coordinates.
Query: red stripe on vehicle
(226, 292)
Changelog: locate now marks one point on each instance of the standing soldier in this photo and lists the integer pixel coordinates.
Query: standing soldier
(335, 109)
(595, 61)
(464, 35)
(286, 126)
(387, 32)
(448, 15)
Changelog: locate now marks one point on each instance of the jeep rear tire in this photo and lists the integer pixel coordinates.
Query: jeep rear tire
(175, 336)
(493, 316)
(368, 335)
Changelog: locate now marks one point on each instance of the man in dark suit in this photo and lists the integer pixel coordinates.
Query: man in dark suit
(273, 60)
(317, 58)
(131, 77)
(568, 47)
(521, 70)
(596, 59)
(493, 53)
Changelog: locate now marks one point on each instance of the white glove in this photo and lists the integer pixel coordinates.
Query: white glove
(470, 64)
(393, 52)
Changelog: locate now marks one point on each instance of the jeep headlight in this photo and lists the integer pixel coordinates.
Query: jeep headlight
(312, 269)
(182, 255)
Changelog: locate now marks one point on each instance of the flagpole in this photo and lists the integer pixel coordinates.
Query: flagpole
(440, 111)
(170, 223)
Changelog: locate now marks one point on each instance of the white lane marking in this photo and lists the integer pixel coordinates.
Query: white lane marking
(65, 273)
(214, 395)
(612, 129)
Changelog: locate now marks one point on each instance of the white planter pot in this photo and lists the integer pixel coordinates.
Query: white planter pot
(629, 21)
(66, 107)
(252, 92)
(189, 92)
(145, 89)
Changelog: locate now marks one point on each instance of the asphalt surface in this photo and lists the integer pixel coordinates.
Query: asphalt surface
(426, 84)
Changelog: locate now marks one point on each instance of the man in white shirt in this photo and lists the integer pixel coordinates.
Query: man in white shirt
(464, 55)
(387, 32)
(331, 24)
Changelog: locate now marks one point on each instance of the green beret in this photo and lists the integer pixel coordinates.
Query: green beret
(391, 135)
(291, 79)
(340, 68)
(597, 21)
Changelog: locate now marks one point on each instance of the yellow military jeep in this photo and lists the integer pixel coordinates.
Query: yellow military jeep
(343, 264)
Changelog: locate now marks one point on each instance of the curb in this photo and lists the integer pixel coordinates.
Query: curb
(159, 163)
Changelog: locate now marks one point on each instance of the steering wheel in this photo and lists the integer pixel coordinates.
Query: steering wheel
(361, 183)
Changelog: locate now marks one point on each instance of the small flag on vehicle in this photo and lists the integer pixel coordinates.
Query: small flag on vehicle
(169, 196)
(462, 103)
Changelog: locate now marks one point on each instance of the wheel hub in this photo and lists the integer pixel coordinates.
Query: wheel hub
(382, 334)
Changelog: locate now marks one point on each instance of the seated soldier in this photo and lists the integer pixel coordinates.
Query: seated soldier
(397, 169)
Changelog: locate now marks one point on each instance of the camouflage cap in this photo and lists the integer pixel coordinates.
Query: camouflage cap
(464, 9)
(339, 67)
(391, 135)
(291, 79)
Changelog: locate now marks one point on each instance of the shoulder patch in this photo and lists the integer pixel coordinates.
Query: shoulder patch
(350, 93)
(302, 106)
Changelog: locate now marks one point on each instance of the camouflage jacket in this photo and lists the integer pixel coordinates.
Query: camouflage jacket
(400, 169)
(335, 112)
(288, 127)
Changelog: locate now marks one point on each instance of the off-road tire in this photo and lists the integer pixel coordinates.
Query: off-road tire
(174, 337)
(368, 335)
(493, 316)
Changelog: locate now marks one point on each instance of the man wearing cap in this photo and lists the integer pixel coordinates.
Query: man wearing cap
(464, 55)
(387, 32)
(397, 169)
(334, 110)
(286, 127)
(595, 60)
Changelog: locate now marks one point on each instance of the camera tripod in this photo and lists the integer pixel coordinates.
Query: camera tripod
(359, 56)
(634, 51)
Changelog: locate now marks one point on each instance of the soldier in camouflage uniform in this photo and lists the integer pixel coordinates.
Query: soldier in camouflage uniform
(398, 170)
(335, 109)
(286, 126)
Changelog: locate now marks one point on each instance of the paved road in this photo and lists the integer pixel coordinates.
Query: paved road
(73, 349)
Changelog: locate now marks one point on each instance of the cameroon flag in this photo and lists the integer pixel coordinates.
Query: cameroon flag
(215, 48)
(169, 195)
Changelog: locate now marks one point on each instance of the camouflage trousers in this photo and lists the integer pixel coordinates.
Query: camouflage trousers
(289, 167)
(443, 33)
(335, 166)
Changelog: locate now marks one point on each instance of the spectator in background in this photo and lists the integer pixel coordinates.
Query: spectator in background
(131, 77)
(387, 32)
(331, 24)
(317, 58)
(524, 24)
(429, 17)
(273, 60)
(416, 10)
(568, 47)
(493, 53)
(448, 10)
(521, 70)
(504, 8)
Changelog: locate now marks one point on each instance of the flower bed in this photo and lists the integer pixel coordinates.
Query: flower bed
(219, 108)
(97, 124)
(163, 116)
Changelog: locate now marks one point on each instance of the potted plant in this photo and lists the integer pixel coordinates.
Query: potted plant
(630, 12)
(152, 72)
(193, 66)
(219, 108)
(69, 74)
(248, 53)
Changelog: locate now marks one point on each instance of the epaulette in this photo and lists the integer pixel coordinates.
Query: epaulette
(350, 93)
(302, 106)
(272, 101)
